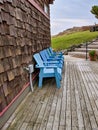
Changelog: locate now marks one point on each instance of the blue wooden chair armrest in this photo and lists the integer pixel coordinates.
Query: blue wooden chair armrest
(55, 59)
(51, 62)
(60, 65)
(46, 66)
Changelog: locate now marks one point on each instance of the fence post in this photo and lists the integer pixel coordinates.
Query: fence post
(86, 50)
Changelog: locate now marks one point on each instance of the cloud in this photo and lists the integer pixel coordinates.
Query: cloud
(56, 22)
(59, 25)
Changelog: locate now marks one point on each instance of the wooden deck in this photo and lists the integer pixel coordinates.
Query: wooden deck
(72, 107)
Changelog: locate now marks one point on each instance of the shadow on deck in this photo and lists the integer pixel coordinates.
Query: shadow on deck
(72, 107)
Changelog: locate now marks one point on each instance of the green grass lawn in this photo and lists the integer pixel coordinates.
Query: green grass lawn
(67, 40)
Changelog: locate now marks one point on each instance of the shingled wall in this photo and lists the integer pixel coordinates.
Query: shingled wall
(23, 31)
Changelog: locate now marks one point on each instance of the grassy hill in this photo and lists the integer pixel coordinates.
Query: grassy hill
(64, 41)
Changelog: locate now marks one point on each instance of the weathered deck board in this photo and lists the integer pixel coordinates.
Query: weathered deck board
(72, 107)
(89, 98)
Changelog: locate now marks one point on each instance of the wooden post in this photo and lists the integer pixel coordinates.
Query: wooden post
(86, 50)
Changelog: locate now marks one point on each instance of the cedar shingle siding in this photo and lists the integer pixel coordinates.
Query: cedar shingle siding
(24, 30)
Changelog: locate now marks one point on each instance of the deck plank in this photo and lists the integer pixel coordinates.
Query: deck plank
(63, 102)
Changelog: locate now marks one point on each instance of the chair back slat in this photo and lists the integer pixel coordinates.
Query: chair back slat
(38, 59)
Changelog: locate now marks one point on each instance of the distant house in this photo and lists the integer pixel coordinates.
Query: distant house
(94, 28)
(24, 30)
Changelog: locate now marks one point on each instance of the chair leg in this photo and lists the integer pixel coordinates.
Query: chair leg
(40, 81)
(57, 82)
(59, 76)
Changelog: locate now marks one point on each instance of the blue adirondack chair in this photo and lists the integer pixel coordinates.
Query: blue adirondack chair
(44, 58)
(54, 55)
(50, 58)
(59, 54)
(47, 71)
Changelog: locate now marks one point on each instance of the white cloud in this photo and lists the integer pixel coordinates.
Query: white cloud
(56, 22)
(59, 25)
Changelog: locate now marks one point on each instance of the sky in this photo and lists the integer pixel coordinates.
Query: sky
(66, 14)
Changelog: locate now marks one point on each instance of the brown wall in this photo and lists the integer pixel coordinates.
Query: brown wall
(23, 31)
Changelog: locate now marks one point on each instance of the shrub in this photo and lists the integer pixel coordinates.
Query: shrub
(92, 53)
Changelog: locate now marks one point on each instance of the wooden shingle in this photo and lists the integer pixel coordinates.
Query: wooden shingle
(10, 1)
(5, 89)
(12, 30)
(1, 1)
(6, 64)
(18, 13)
(1, 53)
(1, 67)
(10, 75)
(7, 51)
